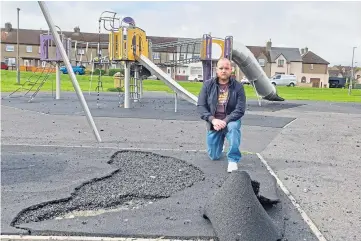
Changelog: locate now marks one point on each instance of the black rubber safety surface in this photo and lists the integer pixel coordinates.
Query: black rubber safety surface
(153, 106)
(158, 194)
(236, 213)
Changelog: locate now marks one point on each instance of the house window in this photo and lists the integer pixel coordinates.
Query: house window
(196, 70)
(281, 62)
(11, 61)
(311, 66)
(29, 49)
(156, 56)
(9, 48)
(261, 62)
(303, 79)
(81, 51)
(181, 56)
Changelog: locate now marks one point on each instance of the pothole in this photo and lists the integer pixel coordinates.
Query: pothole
(141, 179)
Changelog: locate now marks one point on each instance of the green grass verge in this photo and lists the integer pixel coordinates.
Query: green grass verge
(8, 84)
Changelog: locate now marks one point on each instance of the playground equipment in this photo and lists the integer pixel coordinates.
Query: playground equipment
(248, 64)
(64, 56)
(39, 81)
(130, 45)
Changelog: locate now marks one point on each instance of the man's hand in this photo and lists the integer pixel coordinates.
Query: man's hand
(218, 124)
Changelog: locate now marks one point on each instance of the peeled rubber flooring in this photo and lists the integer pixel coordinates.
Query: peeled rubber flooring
(158, 194)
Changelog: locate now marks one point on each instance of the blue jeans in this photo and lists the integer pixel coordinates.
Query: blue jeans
(215, 141)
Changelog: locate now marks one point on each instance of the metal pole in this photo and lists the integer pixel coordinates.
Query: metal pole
(57, 83)
(17, 54)
(140, 88)
(351, 78)
(136, 80)
(69, 68)
(175, 101)
(126, 84)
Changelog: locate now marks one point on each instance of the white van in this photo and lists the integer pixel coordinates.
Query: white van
(284, 80)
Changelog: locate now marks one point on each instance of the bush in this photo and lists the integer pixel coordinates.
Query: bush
(113, 71)
(97, 71)
(115, 89)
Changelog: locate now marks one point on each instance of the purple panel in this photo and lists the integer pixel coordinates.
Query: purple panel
(207, 70)
(44, 48)
(129, 20)
(228, 47)
(208, 47)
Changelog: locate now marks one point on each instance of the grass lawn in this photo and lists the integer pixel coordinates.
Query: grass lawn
(8, 84)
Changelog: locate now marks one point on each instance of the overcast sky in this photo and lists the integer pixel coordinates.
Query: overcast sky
(330, 29)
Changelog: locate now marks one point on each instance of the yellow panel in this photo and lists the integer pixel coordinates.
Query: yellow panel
(110, 46)
(120, 44)
(114, 45)
(220, 42)
(136, 41)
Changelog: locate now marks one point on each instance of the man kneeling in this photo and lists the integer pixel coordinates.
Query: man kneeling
(222, 103)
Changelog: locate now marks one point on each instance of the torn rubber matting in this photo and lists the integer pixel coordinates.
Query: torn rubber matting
(176, 214)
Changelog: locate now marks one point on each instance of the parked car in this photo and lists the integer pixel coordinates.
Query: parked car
(336, 82)
(284, 80)
(4, 66)
(245, 81)
(80, 70)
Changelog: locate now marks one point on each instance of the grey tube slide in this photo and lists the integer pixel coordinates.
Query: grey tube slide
(248, 64)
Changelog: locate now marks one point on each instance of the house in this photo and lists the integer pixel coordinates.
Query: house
(285, 60)
(309, 68)
(357, 74)
(314, 69)
(29, 46)
(84, 48)
(345, 72)
(81, 52)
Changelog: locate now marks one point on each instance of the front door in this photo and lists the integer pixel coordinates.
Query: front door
(315, 82)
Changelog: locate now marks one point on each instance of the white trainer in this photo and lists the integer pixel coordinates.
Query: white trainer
(232, 166)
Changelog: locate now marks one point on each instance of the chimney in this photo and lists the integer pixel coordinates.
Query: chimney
(77, 29)
(306, 50)
(8, 27)
(269, 45)
(302, 51)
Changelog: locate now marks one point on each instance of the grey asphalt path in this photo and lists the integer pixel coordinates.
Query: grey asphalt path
(125, 132)
(318, 158)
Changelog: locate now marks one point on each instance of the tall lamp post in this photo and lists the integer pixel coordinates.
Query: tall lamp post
(17, 54)
(351, 78)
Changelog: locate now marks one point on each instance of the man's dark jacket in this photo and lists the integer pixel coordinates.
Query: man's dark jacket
(208, 99)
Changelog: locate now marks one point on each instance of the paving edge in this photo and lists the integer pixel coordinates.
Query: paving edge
(82, 238)
(305, 217)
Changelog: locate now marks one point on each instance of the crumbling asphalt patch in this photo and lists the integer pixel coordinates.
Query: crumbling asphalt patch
(142, 177)
(236, 214)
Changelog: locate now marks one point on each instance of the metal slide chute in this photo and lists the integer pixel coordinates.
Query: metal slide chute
(248, 64)
(177, 88)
